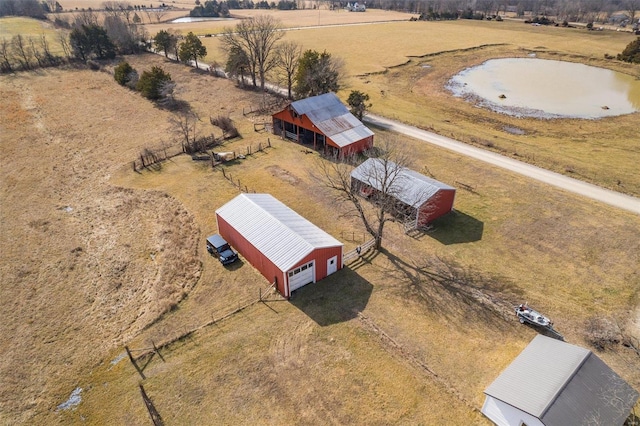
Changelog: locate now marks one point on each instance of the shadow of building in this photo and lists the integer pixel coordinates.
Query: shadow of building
(335, 299)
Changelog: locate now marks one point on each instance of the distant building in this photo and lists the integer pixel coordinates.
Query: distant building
(325, 123)
(553, 383)
(356, 7)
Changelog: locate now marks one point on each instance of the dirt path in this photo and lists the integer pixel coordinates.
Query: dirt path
(566, 183)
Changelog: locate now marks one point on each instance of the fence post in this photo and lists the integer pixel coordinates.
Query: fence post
(269, 142)
(133, 361)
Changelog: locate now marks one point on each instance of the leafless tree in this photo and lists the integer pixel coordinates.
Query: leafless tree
(159, 13)
(630, 8)
(36, 53)
(5, 52)
(21, 51)
(288, 56)
(256, 37)
(385, 176)
(184, 125)
(86, 17)
(63, 39)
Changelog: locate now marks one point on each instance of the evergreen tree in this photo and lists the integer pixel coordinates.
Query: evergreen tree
(631, 53)
(318, 73)
(192, 49)
(151, 83)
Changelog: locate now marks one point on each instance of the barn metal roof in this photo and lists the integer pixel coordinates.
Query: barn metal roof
(278, 232)
(563, 384)
(332, 118)
(406, 185)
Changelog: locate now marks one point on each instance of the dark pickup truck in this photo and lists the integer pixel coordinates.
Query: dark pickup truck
(217, 246)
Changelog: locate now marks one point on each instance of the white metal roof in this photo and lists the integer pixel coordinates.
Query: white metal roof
(412, 188)
(563, 384)
(278, 232)
(332, 118)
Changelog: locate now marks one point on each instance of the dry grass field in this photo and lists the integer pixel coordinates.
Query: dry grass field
(96, 256)
(96, 252)
(404, 67)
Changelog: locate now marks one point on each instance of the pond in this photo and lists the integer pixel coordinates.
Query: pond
(188, 19)
(541, 88)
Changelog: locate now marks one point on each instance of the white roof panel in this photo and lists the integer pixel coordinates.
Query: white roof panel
(408, 186)
(278, 232)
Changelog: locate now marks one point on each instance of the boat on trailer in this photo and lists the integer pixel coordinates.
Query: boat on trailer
(528, 315)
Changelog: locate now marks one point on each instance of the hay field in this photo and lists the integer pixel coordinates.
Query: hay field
(375, 343)
(96, 253)
(554, 252)
(85, 264)
(404, 67)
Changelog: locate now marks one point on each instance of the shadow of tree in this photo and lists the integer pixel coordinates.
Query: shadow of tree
(335, 299)
(454, 228)
(455, 292)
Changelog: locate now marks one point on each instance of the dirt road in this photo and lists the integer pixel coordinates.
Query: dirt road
(566, 183)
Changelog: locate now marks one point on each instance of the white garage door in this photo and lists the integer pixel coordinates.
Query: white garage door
(300, 276)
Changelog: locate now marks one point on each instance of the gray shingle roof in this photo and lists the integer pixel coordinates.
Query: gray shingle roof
(563, 384)
(278, 232)
(412, 188)
(332, 118)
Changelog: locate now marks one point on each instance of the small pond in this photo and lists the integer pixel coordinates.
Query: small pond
(541, 88)
(188, 19)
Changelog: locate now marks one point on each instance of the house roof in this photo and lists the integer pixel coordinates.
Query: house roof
(406, 185)
(278, 232)
(332, 118)
(563, 384)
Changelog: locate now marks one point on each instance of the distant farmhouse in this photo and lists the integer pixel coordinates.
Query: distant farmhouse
(355, 7)
(421, 198)
(282, 245)
(553, 383)
(325, 123)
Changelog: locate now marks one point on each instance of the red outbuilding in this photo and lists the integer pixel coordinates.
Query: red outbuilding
(278, 242)
(325, 123)
(419, 197)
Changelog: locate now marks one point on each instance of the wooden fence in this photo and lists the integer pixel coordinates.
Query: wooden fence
(358, 251)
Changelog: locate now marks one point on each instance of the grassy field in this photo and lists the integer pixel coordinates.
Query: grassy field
(404, 67)
(97, 256)
(376, 343)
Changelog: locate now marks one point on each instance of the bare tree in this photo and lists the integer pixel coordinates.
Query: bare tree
(159, 14)
(374, 196)
(5, 52)
(256, 37)
(630, 8)
(86, 17)
(288, 56)
(184, 124)
(63, 39)
(36, 53)
(21, 51)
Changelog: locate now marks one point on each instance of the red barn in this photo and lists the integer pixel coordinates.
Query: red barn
(324, 122)
(278, 242)
(421, 198)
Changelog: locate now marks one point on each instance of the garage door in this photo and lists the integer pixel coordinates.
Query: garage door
(300, 276)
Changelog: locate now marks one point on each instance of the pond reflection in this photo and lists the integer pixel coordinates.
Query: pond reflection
(531, 87)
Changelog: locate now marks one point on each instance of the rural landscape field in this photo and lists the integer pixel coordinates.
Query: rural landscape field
(98, 256)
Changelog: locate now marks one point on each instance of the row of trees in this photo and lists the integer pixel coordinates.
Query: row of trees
(569, 10)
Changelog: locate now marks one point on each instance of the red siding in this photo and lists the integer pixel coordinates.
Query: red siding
(438, 205)
(267, 268)
(304, 122)
(320, 256)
